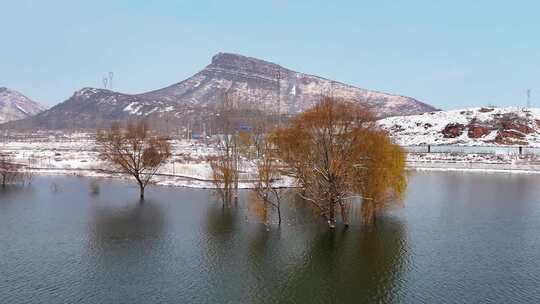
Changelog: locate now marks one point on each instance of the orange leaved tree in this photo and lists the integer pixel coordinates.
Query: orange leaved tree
(337, 154)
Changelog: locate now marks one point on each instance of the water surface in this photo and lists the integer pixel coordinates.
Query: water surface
(461, 238)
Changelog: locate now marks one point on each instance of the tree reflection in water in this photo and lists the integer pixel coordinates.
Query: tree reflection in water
(15, 193)
(344, 266)
(304, 262)
(222, 220)
(126, 246)
(183, 247)
(111, 225)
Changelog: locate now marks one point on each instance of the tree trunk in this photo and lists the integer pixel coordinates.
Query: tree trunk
(141, 187)
(344, 215)
(279, 215)
(332, 217)
(368, 214)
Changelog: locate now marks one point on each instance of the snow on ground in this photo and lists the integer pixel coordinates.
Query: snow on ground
(474, 162)
(427, 128)
(76, 154)
(133, 108)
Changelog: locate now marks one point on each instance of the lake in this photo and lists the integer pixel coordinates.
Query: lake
(461, 238)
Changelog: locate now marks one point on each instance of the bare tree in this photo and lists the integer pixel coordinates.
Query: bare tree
(337, 153)
(241, 129)
(225, 165)
(11, 172)
(225, 176)
(268, 175)
(134, 150)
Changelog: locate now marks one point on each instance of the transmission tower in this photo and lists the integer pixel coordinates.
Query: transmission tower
(105, 82)
(528, 98)
(111, 75)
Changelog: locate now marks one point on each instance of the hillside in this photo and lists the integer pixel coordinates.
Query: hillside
(192, 101)
(473, 126)
(15, 106)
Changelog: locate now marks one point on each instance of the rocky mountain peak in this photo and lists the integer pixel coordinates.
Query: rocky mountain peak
(235, 62)
(88, 92)
(193, 100)
(15, 106)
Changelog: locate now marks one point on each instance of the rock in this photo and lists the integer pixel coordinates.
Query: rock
(521, 127)
(453, 130)
(486, 110)
(510, 138)
(476, 131)
(510, 134)
(397, 128)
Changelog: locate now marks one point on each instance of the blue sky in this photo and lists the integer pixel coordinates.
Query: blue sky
(451, 54)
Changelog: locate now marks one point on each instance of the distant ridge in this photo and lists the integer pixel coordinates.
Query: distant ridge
(248, 79)
(15, 106)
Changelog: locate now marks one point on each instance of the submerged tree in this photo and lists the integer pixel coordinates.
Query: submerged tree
(269, 193)
(337, 153)
(134, 150)
(225, 174)
(11, 172)
(225, 165)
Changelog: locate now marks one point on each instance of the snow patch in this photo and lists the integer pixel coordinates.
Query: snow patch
(133, 108)
(21, 109)
(293, 90)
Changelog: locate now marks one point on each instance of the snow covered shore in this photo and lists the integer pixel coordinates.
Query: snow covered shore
(76, 155)
(506, 163)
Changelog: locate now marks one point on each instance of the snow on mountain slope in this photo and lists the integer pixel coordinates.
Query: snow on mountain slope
(193, 101)
(253, 80)
(472, 127)
(15, 106)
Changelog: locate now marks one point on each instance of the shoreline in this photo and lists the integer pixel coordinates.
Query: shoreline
(474, 170)
(168, 180)
(188, 166)
(182, 181)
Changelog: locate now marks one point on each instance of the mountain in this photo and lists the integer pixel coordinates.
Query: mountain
(472, 127)
(247, 79)
(15, 106)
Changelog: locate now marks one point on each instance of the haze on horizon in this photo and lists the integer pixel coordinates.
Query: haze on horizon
(450, 55)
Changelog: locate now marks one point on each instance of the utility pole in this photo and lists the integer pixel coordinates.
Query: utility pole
(278, 79)
(528, 98)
